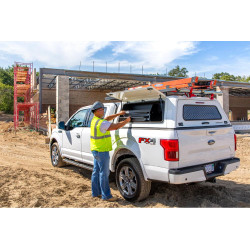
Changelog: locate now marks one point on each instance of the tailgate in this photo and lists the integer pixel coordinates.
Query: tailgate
(204, 133)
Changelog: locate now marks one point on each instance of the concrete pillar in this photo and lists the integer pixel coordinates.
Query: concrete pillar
(34, 81)
(40, 90)
(62, 98)
(224, 98)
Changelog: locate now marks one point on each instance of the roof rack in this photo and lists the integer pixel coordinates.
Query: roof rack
(189, 86)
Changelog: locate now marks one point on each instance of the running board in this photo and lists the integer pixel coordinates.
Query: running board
(78, 164)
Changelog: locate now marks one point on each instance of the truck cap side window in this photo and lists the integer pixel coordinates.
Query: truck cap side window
(201, 112)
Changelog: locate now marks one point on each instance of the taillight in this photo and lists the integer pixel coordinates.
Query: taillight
(235, 142)
(171, 149)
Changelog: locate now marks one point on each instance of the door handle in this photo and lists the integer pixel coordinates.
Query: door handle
(211, 142)
(78, 135)
(212, 132)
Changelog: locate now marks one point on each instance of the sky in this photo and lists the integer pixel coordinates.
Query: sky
(200, 58)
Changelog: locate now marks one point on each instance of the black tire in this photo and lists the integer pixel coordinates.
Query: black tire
(59, 162)
(212, 180)
(135, 188)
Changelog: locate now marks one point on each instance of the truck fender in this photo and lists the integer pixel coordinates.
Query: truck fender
(126, 152)
(55, 137)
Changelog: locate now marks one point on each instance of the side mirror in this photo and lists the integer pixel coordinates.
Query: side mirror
(61, 125)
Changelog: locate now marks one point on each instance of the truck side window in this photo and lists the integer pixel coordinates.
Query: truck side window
(200, 112)
(78, 120)
(92, 115)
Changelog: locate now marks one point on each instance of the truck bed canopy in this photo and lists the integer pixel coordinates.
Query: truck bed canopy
(140, 94)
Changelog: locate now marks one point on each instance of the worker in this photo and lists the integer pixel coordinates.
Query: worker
(100, 144)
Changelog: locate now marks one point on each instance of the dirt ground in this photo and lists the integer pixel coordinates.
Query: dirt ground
(27, 179)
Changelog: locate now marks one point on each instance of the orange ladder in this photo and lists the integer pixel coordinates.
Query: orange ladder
(185, 85)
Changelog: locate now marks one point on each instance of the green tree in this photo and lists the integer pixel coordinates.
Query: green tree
(178, 72)
(7, 76)
(224, 76)
(227, 77)
(243, 78)
(6, 98)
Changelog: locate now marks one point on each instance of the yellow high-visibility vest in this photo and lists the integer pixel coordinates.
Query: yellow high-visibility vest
(99, 141)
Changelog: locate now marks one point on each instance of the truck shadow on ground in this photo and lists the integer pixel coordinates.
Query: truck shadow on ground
(84, 172)
(220, 194)
(223, 193)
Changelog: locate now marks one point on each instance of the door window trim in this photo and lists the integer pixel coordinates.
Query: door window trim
(89, 115)
(84, 122)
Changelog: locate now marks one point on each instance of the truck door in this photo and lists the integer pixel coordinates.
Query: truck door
(72, 136)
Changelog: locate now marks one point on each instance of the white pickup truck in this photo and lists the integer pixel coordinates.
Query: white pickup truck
(172, 139)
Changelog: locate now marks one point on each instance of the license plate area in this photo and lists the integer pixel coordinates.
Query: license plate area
(209, 168)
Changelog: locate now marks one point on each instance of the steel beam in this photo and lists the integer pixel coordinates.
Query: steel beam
(103, 75)
(133, 77)
(233, 84)
(40, 89)
(106, 83)
(52, 83)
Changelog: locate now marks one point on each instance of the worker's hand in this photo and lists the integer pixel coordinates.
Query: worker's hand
(128, 119)
(122, 112)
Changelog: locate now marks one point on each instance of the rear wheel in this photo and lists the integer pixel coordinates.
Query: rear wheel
(130, 180)
(55, 156)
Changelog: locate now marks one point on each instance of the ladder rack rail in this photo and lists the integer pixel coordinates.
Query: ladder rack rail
(188, 86)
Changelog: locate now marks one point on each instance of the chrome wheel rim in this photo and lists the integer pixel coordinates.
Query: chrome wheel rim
(127, 180)
(55, 155)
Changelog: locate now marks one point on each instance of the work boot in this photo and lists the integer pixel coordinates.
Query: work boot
(112, 199)
(99, 196)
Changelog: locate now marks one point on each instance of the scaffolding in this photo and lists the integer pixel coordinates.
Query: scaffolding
(23, 93)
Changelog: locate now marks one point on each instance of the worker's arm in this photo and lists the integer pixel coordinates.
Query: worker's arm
(111, 117)
(115, 126)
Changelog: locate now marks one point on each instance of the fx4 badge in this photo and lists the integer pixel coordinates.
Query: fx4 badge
(147, 140)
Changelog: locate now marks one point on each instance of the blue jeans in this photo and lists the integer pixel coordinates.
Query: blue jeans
(100, 175)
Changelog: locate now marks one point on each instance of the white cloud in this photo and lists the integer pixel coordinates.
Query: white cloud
(53, 54)
(237, 66)
(212, 58)
(155, 54)
(240, 66)
(2, 57)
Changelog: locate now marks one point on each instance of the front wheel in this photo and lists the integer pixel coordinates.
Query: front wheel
(55, 156)
(130, 180)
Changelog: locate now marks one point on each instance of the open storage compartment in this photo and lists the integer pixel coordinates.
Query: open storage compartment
(144, 111)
